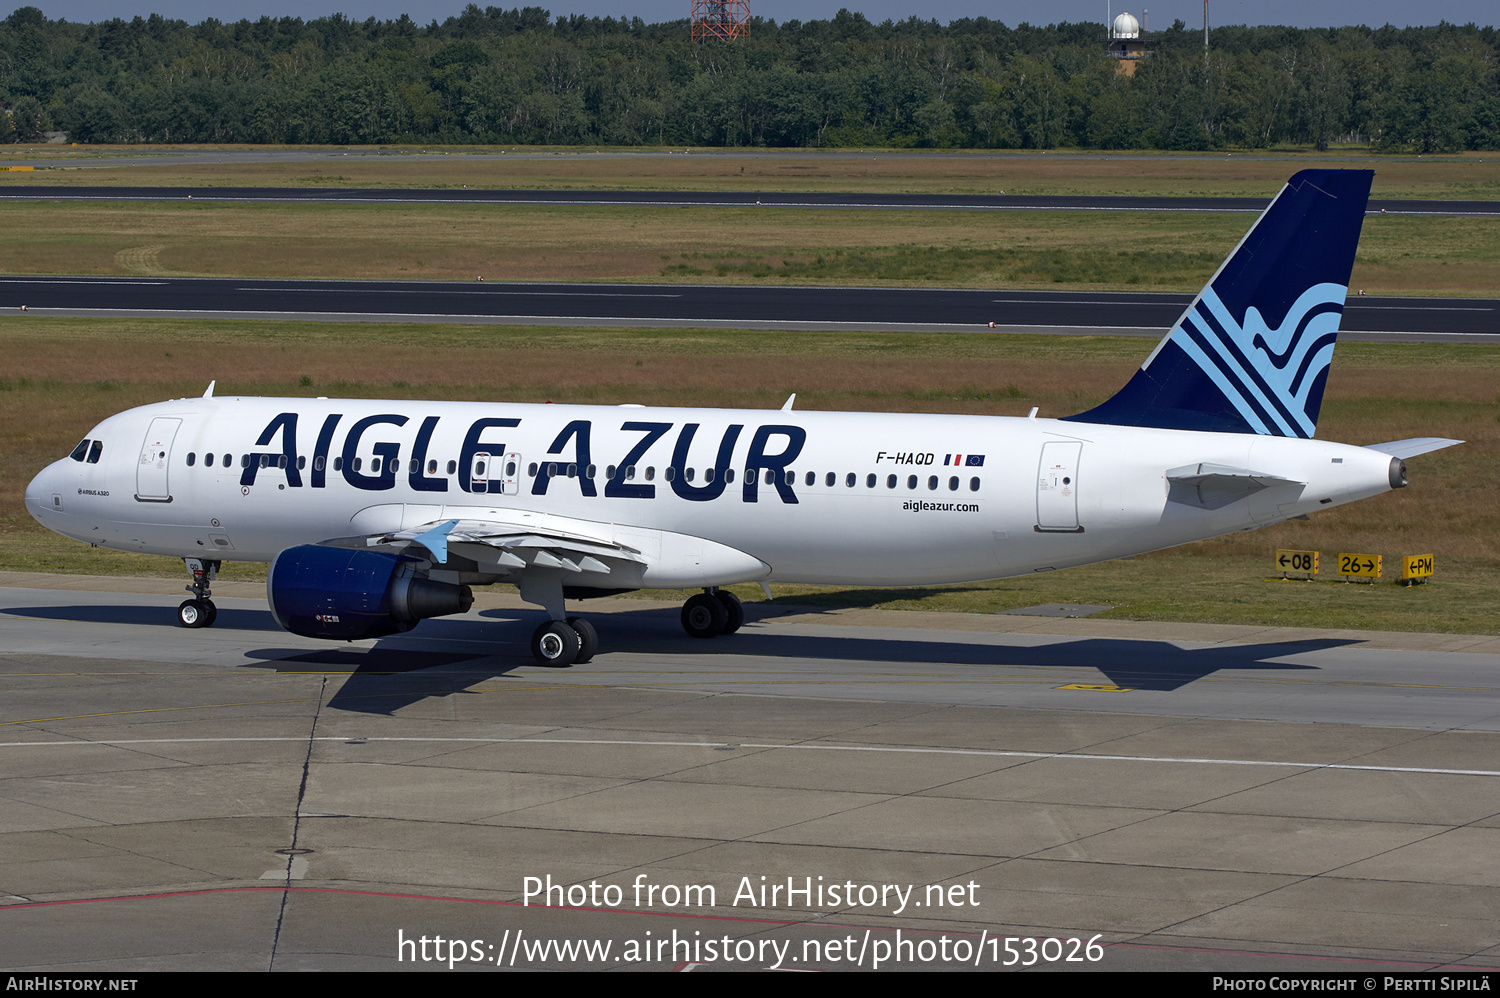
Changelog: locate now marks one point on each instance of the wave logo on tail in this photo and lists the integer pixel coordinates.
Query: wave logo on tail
(1267, 374)
(1251, 353)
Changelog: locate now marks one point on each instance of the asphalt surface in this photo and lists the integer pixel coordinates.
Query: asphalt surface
(1186, 797)
(723, 199)
(734, 306)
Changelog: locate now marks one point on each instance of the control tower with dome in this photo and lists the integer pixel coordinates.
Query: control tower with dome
(1127, 42)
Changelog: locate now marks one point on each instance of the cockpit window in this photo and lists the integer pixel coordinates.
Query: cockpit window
(95, 451)
(80, 450)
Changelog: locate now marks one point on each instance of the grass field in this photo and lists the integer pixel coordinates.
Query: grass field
(1133, 251)
(63, 375)
(968, 172)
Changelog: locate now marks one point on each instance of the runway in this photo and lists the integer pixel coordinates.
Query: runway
(1464, 320)
(717, 199)
(1180, 796)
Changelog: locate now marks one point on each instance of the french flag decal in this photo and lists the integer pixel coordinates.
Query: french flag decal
(963, 460)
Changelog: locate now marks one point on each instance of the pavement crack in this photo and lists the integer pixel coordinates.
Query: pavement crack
(292, 853)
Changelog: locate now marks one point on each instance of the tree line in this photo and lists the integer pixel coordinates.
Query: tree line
(522, 77)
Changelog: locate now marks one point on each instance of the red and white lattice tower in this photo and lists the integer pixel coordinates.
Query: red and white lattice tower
(722, 19)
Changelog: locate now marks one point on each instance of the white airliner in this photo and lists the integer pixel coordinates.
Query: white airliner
(378, 514)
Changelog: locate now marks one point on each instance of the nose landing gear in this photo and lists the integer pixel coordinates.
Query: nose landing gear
(200, 610)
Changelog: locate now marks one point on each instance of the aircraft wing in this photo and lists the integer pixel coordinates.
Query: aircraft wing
(1411, 448)
(510, 547)
(579, 553)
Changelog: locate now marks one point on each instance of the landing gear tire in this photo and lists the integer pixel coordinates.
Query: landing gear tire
(704, 616)
(555, 644)
(734, 608)
(196, 613)
(211, 611)
(588, 639)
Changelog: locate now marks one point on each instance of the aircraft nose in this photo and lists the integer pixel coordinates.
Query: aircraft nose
(39, 494)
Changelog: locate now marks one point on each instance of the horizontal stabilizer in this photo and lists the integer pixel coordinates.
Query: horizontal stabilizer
(1214, 486)
(1411, 448)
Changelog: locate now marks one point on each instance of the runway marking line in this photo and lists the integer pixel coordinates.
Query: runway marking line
(877, 749)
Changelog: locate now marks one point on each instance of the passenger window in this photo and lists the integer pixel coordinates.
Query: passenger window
(244, 460)
(281, 461)
(95, 451)
(374, 465)
(208, 460)
(228, 460)
(973, 485)
(812, 478)
(650, 472)
(301, 462)
(911, 481)
(338, 464)
(931, 483)
(849, 480)
(953, 484)
(610, 472)
(81, 450)
(359, 463)
(318, 463)
(708, 475)
(192, 459)
(452, 467)
(432, 467)
(890, 481)
(669, 473)
(869, 481)
(688, 473)
(592, 470)
(729, 475)
(830, 479)
(531, 469)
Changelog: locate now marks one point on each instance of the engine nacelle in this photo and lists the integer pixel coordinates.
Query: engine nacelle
(343, 593)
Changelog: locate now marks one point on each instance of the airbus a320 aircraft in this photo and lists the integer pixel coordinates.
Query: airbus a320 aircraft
(376, 514)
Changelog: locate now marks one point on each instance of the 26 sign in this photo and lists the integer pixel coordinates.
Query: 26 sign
(1360, 566)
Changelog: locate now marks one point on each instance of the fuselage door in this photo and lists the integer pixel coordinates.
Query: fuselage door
(479, 473)
(1057, 486)
(156, 458)
(511, 474)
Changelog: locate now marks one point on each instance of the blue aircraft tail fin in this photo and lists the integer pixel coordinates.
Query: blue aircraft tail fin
(1251, 353)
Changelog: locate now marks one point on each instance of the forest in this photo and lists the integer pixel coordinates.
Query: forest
(520, 76)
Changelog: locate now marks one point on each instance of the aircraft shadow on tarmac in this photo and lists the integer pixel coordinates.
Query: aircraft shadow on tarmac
(446, 657)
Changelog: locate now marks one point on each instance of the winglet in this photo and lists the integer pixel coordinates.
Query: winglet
(209, 393)
(787, 406)
(436, 540)
(1251, 353)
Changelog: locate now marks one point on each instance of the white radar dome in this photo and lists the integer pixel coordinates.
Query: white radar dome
(1126, 26)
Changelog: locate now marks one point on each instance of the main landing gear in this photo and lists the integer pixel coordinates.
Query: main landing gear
(711, 613)
(200, 610)
(558, 644)
(561, 643)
